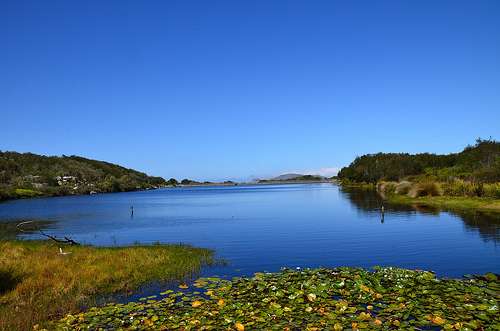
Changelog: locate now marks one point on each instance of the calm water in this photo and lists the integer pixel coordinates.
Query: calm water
(264, 228)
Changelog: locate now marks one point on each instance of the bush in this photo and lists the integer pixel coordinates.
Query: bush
(456, 188)
(386, 187)
(492, 190)
(425, 189)
(461, 188)
(403, 187)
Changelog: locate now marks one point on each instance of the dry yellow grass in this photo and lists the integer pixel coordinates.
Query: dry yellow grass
(38, 284)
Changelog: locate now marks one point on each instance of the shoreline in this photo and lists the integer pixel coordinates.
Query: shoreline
(278, 182)
(42, 196)
(445, 202)
(449, 203)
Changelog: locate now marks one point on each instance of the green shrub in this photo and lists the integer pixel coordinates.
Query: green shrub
(461, 188)
(492, 190)
(386, 187)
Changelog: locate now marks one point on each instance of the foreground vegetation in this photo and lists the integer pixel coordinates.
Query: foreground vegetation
(319, 299)
(29, 175)
(37, 283)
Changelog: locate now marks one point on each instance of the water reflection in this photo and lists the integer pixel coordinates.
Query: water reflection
(368, 201)
(9, 229)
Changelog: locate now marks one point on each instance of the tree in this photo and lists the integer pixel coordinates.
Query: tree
(172, 182)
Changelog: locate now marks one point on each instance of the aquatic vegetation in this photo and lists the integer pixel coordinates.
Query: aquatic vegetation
(318, 299)
(38, 283)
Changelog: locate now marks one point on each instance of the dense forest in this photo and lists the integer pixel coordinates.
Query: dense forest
(479, 163)
(29, 175)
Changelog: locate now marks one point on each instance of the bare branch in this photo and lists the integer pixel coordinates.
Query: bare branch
(66, 240)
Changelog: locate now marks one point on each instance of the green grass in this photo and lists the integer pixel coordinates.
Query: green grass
(27, 193)
(451, 203)
(317, 299)
(38, 284)
(361, 185)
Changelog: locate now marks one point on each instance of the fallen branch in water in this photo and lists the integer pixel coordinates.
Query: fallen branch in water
(66, 240)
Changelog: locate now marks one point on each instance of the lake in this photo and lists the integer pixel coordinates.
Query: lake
(266, 227)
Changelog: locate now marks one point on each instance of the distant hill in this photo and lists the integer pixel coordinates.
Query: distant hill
(287, 176)
(293, 178)
(29, 175)
(477, 163)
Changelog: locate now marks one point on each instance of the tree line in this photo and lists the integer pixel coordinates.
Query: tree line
(476, 163)
(28, 174)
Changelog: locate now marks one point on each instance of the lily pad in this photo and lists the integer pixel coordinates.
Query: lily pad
(312, 299)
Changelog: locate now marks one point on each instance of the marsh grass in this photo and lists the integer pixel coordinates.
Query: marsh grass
(451, 203)
(456, 194)
(471, 189)
(38, 284)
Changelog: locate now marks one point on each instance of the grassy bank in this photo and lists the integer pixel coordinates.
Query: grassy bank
(38, 284)
(455, 195)
(361, 186)
(319, 299)
(448, 202)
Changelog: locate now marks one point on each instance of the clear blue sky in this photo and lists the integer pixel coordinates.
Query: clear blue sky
(232, 89)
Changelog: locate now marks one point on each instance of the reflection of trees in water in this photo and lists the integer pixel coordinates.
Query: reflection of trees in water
(487, 224)
(368, 201)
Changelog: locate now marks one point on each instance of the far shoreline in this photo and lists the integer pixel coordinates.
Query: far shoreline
(278, 182)
(172, 187)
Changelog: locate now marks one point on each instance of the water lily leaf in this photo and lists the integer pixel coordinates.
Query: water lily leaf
(311, 297)
(196, 303)
(437, 320)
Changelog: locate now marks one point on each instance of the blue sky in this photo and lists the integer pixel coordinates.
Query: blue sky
(234, 89)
